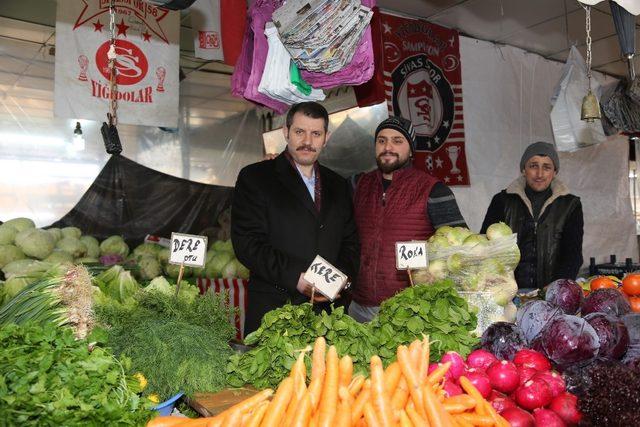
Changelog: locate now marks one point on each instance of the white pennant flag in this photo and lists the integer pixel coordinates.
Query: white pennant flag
(207, 34)
(147, 47)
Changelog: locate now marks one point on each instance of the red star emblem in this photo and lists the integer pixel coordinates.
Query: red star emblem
(97, 26)
(122, 28)
(147, 36)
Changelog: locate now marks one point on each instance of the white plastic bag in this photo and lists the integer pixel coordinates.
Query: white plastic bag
(569, 131)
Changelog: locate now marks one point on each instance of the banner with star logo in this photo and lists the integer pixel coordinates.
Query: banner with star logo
(147, 48)
(423, 83)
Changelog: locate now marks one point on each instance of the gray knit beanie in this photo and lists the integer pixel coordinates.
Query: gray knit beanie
(540, 149)
(403, 126)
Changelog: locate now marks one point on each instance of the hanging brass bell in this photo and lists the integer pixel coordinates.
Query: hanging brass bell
(590, 108)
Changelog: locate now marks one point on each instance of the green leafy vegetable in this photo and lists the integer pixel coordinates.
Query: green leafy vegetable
(47, 378)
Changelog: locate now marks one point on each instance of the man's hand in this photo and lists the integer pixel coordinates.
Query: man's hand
(305, 288)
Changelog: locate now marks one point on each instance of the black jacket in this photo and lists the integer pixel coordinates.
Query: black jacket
(277, 231)
(551, 247)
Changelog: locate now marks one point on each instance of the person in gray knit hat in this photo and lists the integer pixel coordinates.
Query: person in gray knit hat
(395, 202)
(547, 218)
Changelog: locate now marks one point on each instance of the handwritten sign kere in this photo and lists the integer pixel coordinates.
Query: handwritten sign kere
(327, 279)
(188, 249)
(411, 255)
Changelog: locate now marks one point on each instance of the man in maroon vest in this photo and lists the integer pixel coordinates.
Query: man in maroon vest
(394, 203)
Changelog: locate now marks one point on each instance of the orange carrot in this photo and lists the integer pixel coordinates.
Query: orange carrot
(392, 376)
(343, 415)
(358, 406)
(243, 406)
(318, 370)
(414, 416)
(439, 373)
(380, 399)
(346, 371)
(424, 358)
(436, 414)
(415, 349)
(194, 422)
(473, 392)
(404, 419)
(257, 415)
(329, 400)
(276, 410)
(477, 420)
(370, 416)
(461, 399)
(461, 421)
(401, 395)
(234, 419)
(497, 418)
(166, 421)
(303, 414)
(404, 358)
(356, 384)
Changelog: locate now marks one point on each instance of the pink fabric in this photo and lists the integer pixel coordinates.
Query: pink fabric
(250, 66)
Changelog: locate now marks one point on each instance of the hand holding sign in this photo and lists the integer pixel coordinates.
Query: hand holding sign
(307, 288)
(325, 278)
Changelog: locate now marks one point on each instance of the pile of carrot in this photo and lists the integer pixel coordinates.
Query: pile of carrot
(403, 395)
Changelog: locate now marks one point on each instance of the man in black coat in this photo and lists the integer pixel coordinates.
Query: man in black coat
(288, 210)
(548, 219)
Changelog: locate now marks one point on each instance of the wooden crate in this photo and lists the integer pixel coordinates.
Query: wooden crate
(211, 404)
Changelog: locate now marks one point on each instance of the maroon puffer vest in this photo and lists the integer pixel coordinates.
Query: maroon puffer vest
(401, 216)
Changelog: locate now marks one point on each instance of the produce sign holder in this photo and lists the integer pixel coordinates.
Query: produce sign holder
(187, 249)
(326, 278)
(237, 292)
(411, 255)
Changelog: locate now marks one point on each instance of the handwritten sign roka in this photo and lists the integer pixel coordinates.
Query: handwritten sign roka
(411, 255)
(188, 249)
(327, 279)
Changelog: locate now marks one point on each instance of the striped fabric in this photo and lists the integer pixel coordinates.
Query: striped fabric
(237, 291)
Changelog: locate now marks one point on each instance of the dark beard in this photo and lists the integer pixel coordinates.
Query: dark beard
(390, 167)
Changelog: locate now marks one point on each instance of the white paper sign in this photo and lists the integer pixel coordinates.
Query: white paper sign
(411, 255)
(188, 249)
(327, 279)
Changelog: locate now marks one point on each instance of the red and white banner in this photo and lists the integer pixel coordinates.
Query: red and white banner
(423, 83)
(147, 48)
(237, 291)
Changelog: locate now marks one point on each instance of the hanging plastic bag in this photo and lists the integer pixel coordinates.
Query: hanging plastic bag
(569, 131)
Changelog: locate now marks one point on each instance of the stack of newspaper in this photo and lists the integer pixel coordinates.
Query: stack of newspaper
(322, 35)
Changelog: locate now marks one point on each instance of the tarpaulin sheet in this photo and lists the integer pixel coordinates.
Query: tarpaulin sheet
(132, 200)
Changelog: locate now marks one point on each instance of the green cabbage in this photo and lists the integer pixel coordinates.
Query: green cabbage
(173, 270)
(147, 249)
(56, 233)
(25, 267)
(242, 271)
(9, 253)
(73, 246)
(114, 245)
(497, 230)
(21, 224)
(163, 255)
(7, 234)
(15, 285)
(35, 243)
(230, 270)
(149, 267)
(159, 284)
(93, 246)
(188, 292)
(71, 232)
(87, 260)
(218, 262)
(58, 255)
(122, 288)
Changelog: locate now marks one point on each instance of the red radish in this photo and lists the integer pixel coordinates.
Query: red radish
(532, 359)
(451, 388)
(501, 403)
(547, 418)
(554, 381)
(503, 376)
(457, 363)
(434, 366)
(533, 394)
(480, 380)
(518, 417)
(526, 373)
(566, 406)
(480, 359)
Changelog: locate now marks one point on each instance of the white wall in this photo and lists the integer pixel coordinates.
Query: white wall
(507, 94)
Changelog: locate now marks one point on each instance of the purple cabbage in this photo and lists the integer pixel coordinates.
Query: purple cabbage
(503, 339)
(534, 315)
(569, 340)
(566, 294)
(610, 301)
(612, 335)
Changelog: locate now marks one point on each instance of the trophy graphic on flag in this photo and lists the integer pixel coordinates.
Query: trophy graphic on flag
(452, 152)
(83, 62)
(161, 73)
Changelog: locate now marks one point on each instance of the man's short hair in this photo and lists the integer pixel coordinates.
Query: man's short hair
(309, 109)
